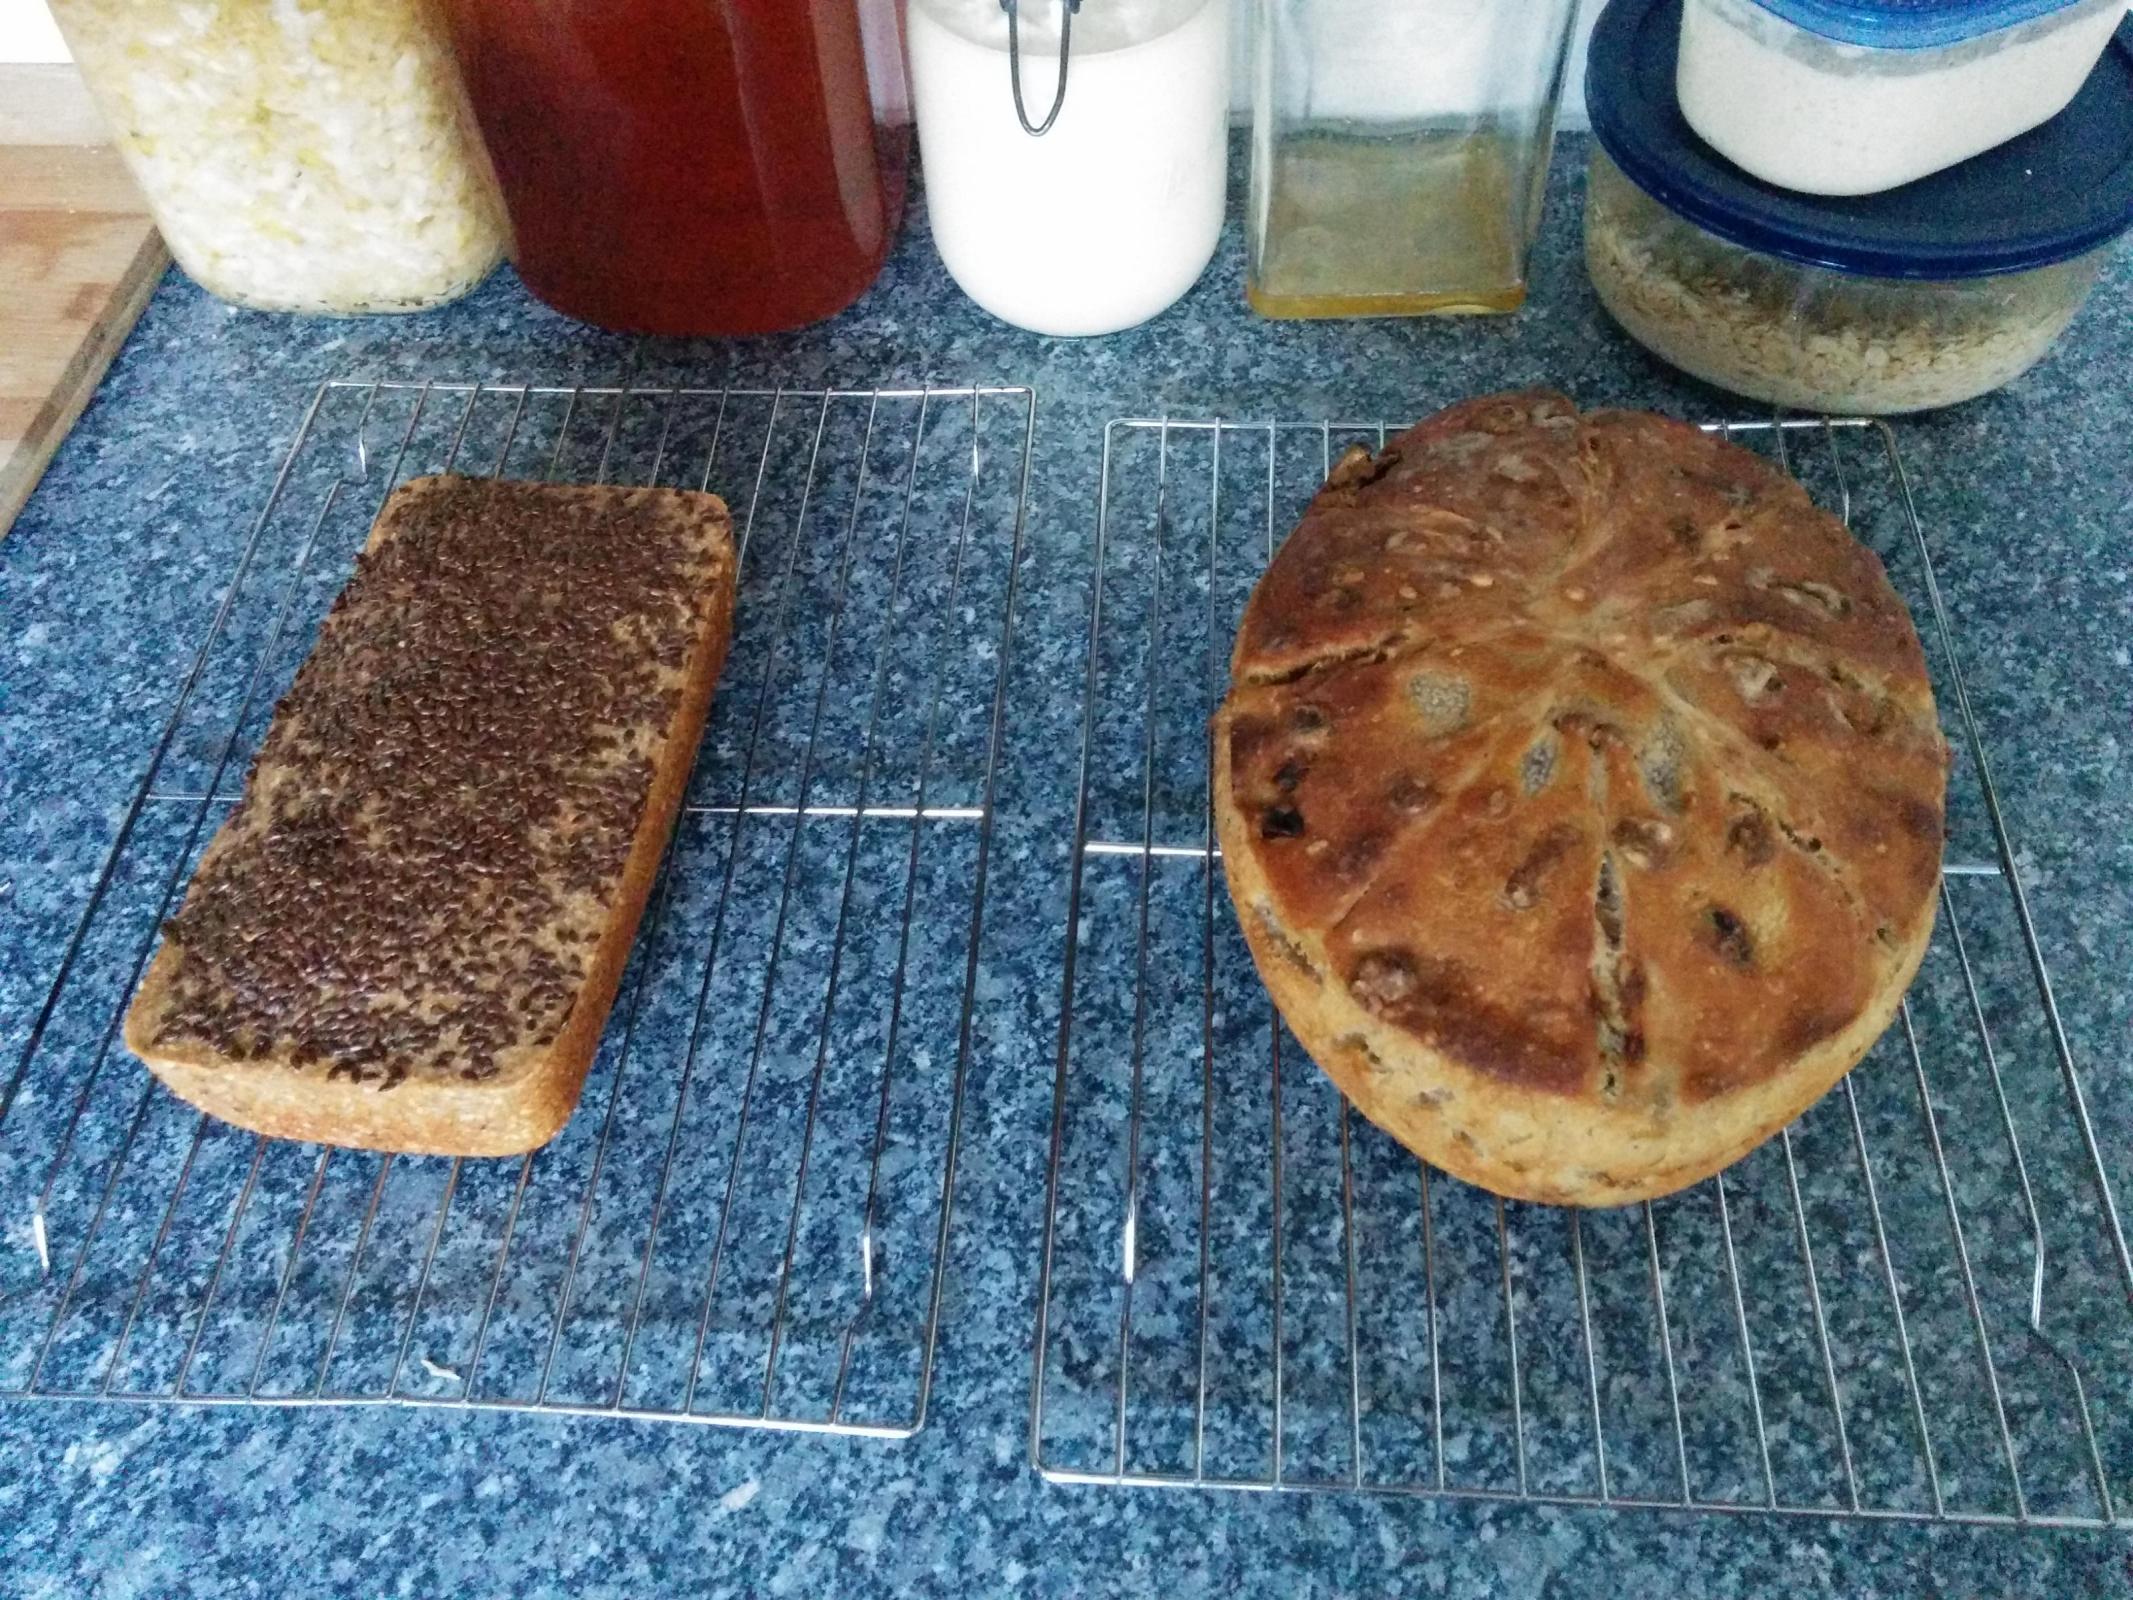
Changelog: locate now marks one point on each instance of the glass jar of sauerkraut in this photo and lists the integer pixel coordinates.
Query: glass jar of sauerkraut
(299, 155)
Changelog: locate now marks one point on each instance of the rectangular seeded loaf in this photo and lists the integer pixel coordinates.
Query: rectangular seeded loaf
(409, 932)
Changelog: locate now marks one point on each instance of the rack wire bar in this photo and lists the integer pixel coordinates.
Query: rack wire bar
(1916, 1303)
(745, 1223)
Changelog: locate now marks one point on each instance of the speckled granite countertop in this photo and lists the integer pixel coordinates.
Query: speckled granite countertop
(121, 557)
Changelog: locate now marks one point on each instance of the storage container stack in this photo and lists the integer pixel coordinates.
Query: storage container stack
(1856, 206)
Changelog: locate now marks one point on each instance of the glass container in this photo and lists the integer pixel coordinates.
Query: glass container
(1915, 297)
(692, 166)
(299, 155)
(1081, 189)
(1400, 153)
(1807, 336)
(1833, 97)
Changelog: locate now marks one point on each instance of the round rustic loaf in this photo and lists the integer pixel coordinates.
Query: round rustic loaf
(1580, 792)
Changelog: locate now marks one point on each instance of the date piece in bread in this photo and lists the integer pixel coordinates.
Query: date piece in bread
(1580, 791)
(409, 932)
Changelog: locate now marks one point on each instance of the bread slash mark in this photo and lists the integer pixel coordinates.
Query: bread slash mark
(1617, 989)
(1371, 651)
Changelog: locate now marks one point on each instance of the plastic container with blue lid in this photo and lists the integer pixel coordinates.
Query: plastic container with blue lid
(1857, 96)
(1919, 297)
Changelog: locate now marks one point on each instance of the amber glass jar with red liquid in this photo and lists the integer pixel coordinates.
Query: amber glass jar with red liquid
(692, 166)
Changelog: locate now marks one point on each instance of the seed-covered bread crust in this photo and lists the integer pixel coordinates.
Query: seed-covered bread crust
(1580, 791)
(409, 931)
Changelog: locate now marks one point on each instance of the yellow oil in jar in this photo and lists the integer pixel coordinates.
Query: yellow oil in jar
(1407, 224)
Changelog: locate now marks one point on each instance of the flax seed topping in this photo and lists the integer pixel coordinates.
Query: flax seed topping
(417, 875)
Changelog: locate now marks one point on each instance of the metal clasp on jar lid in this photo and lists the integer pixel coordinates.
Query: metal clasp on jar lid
(1014, 63)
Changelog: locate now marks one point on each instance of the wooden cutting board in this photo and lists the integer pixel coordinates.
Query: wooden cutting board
(79, 257)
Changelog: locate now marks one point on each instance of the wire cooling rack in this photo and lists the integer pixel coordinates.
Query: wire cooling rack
(1912, 1304)
(743, 1224)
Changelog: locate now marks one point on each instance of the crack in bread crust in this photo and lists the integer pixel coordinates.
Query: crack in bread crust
(1328, 661)
(1615, 842)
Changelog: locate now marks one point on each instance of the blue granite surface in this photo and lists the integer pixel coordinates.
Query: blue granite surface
(121, 560)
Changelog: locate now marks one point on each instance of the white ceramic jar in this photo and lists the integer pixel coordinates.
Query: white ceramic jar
(1111, 214)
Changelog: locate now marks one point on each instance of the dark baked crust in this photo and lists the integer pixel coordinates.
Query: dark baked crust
(1581, 793)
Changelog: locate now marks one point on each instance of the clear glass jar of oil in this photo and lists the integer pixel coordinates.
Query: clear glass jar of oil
(1400, 153)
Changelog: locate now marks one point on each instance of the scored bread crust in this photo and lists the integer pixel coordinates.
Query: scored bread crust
(534, 1088)
(1580, 792)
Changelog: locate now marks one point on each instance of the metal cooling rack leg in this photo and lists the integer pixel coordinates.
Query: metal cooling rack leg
(1888, 1275)
(1280, 1441)
(867, 1211)
(459, 435)
(1814, 1298)
(666, 430)
(2029, 1204)
(1069, 964)
(1130, 1243)
(965, 1034)
(718, 432)
(1207, 967)
(1510, 1326)
(1592, 1355)
(1747, 1342)
(1962, 1256)
(776, 948)
(1429, 1282)
(844, 898)
(288, 1274)
(607, 441)
(1666, 1350)
(1355, 1364)
(562, 434)
(1836, 465)
(348, 1283)
(1274, 1113)
(155, 1250)
(503, 454)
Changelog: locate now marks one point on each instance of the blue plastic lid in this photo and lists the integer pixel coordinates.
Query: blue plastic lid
(1909, 24)
(2055, 192)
